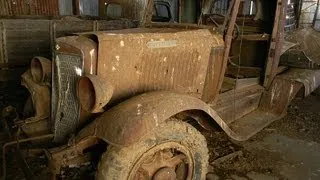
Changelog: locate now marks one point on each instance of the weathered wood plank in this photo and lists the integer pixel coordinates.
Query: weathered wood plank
(234, 104)
(242, 83)
(255, 37)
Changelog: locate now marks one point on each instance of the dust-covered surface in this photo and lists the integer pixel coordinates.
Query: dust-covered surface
(287, 149)
(308, 41)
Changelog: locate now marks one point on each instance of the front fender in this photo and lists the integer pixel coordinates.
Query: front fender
(129, 121)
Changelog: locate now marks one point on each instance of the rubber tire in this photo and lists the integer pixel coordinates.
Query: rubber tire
(117, 162)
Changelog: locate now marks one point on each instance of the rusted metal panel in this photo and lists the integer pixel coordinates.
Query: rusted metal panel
(40, 95)
(65, 115)
(27, 7)
(65, 156)
(41, 101)
(279, 96)
(75, 56)
(309, 78)
(286, 86)
(25, 39)
(115, 25)
(129, 121)
(214, 67)
(141, 60)
(135, 61)
(306, 54)
(63, 28)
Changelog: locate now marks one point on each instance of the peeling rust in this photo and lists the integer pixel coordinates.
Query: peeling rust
(119, 86)
(40, 95)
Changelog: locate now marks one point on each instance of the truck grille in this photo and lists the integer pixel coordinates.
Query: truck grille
(65, 106)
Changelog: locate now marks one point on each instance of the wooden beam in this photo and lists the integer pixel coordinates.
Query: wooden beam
(277, 40)
(241, 83)
(254, 37)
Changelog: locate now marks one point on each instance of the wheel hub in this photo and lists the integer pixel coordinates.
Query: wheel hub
(164, 163)
(165, 174)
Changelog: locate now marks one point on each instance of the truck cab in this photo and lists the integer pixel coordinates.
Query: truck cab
(129, 95)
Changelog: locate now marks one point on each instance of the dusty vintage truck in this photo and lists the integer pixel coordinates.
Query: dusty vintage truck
(133, 95)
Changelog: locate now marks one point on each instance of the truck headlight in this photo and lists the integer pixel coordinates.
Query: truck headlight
(41, 70)
(94, 93)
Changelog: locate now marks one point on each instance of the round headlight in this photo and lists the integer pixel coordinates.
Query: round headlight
(40, 69)
(86, 94)
(93, 93)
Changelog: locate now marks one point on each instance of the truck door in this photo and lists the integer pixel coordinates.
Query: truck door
(182, 11)
(251, 39)
(163, 11)
(190, 10)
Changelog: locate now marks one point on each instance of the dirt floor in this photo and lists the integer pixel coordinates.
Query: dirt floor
(287, 149)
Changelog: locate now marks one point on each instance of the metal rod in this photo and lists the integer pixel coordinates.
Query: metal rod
(8, 144)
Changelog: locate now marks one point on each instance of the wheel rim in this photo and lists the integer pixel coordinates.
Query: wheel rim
(165, 161)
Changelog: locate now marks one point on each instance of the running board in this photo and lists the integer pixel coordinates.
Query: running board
(234, 104)
(252, 123)
(308, 77)
(272, 107)
(274, 102)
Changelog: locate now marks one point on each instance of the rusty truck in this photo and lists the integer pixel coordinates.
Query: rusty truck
(133, 100)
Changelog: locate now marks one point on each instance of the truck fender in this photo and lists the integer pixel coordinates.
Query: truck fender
(129, 121)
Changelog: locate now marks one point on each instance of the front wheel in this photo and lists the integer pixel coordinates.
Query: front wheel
(174, 150)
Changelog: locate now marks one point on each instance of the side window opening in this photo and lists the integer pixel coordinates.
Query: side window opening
(220, 7)
(247, 8)
(161, 12)
(113, 10)
(191, 10)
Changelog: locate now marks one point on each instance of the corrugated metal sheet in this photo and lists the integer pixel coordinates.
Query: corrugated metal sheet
(147, 60)
(46, 7)
(220, 7)
(308, 10)
(25, 39)
(133, 9)
(22, 39)
(65, 7)
(29, 7)
(89, 7)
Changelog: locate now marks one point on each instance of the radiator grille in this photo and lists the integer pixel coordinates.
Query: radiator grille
(65, 106)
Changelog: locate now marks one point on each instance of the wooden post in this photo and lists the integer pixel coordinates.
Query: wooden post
(276, 43)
